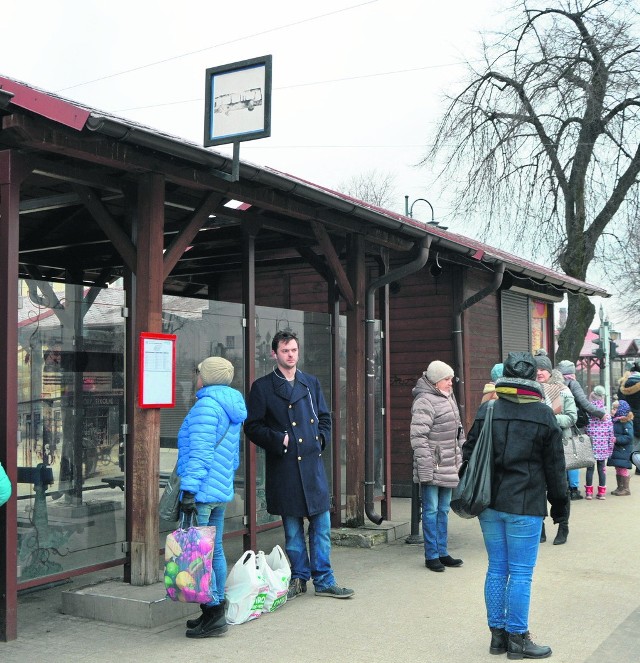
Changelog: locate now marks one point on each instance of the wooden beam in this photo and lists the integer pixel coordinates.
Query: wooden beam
(181, 241)
(334, 263)
(142, 485)
(13, 170)
(108, 152)
(111, 229)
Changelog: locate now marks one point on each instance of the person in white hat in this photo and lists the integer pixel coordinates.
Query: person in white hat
(436, 439)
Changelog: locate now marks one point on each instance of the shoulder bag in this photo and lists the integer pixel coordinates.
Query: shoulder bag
(578, 450)
(472, 495)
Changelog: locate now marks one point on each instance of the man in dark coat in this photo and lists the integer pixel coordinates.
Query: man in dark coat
(288, 417)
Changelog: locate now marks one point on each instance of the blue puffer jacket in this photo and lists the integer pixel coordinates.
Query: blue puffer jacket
(5, 486)
(207, 463)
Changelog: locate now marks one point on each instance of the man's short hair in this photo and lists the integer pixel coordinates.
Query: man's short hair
(283, 337)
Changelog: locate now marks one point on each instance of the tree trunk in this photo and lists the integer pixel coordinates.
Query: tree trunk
(579, 317)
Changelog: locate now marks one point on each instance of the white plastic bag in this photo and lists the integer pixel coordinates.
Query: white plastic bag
(245, 590)
(276, 570)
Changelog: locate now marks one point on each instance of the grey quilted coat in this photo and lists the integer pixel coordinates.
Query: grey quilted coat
(436, 435)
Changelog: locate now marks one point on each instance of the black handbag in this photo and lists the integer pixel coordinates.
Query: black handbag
(472, 495)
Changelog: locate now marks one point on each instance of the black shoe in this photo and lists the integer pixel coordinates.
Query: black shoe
(434, 565)
(498, 641)
(335, 592)
(296, 586)
(561, 536)
(447, 560)
(543, 534)
(575, 494)
(192, 623)
(213, 624)
(520, 645)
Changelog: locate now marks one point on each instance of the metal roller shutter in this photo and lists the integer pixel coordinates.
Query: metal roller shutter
(516, 323)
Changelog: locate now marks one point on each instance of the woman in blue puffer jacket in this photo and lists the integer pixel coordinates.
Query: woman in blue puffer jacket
(208, 456)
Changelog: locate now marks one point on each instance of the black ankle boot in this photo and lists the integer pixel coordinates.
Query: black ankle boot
(561, 536)
(520, 645)
(213, 624)
(196, 621)
(498, 641)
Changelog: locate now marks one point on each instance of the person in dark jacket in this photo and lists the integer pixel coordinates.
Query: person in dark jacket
(620, 458)
(529, 470)
(629, 390)
(568, 370)
(208, 456)
(289, 419)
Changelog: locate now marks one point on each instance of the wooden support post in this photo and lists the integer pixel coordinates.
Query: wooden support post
(336, 404)
(356, 387)
(142, 484)
(12, 172)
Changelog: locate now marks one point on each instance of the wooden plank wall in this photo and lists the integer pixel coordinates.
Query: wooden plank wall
(483, 342)
(421, 324)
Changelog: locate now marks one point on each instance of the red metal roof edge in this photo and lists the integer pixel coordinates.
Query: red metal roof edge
(75, 115)
(49, 106)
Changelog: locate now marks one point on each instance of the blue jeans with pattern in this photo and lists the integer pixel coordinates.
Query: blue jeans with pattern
(512, 543)
(212, 513)
(316, 563)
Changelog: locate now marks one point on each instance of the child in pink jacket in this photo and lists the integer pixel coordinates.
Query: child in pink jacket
(602, 438)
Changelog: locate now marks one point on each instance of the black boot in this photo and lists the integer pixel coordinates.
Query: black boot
(192, 623)
(520, 645)
(213, 624)
(498, 641)
(543, 534)
(561, 536)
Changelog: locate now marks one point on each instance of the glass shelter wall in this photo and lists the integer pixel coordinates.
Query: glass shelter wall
(71, 410)
(70, 416)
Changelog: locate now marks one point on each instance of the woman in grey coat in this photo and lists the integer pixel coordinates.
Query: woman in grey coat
(436, 440)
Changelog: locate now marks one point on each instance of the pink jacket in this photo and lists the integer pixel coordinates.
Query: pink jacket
(601, 433)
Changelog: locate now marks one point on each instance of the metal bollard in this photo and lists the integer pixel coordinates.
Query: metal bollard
(416, 509)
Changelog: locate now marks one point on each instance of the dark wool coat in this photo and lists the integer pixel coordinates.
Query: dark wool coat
(623, 430)
(528, 457)
(296, 483)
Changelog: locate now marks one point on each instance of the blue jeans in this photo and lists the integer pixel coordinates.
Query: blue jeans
(213, 514)
(573, 477)
(316, 563)
(435, 520)
(512, 543)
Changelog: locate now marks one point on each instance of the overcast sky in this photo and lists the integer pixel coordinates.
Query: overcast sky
(357, 85)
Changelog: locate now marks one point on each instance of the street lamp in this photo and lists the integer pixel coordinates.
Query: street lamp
(408, 211)
(604, 336)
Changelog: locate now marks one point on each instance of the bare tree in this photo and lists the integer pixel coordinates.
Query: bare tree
(545, 136)
(377, 188)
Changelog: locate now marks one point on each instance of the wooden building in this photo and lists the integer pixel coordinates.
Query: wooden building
(109, 229)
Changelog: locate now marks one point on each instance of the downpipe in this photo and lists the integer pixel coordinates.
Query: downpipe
(370, 308)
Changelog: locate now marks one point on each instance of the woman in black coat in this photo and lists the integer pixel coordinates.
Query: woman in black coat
(529, 469)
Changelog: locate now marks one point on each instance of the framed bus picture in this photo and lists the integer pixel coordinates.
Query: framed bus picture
(238, 102)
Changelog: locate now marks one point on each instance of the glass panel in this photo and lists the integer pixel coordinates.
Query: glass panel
(313, 330)
(204, 329)
(378, 423)
(70, 416)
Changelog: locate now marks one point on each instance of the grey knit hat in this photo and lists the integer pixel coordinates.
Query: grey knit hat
(566, 367)
(599, 391)
(542, 361)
